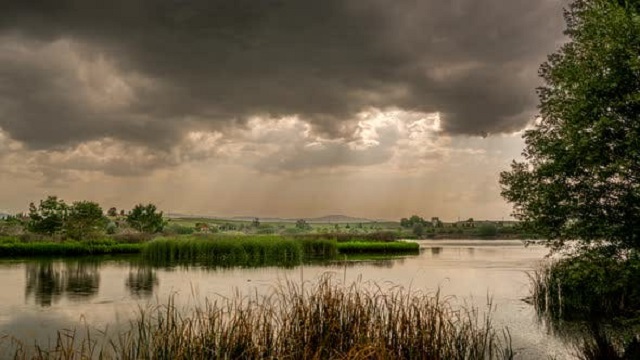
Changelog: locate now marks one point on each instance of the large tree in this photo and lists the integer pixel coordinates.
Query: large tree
(84, 220)
(580, 177)
(48, 217)
(146, 218)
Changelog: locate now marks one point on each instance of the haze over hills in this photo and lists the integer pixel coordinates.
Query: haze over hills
(321, 219)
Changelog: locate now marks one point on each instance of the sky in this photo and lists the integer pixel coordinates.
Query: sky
(271, 108)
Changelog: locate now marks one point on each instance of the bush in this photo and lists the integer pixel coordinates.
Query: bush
(176, 229)
(487, 230)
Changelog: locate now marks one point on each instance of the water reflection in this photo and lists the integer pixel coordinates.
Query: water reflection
(374, 261)
(47, 281)
(141, 281)
(44, 283)
(435, 251)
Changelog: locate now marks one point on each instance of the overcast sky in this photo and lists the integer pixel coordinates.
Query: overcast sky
(288, 108)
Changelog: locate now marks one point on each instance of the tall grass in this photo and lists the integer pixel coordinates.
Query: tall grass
(318, 248)
(309, 321)
(223, 251)
(593, 298)
(67, 248)
(594, 284)
(354, 247)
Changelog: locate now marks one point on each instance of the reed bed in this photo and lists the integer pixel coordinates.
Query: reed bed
(67, 248)
(587, 286)
(318, 248)
(224, 251)
(324, 320)
(355, 247)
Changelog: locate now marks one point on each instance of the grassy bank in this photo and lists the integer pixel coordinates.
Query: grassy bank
(11, 247)
(314, 321)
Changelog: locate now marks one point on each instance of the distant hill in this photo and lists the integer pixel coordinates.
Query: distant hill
(338, 219)
(190, 216)
(322, 219)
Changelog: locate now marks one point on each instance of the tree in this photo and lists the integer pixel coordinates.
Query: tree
(48, 217)
(580, 177)
(255, 223)
(112, 212)
(412, 221)
(145, 218)
(302, 225)
(418, 229)
(84, 219)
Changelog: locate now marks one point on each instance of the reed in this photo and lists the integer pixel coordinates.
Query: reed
(318, 248)
(396, 247)
(592, 285)
(324, 320)
(67, 248)
(223, 251)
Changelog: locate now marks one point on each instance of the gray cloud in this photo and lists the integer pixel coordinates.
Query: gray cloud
(148, 71)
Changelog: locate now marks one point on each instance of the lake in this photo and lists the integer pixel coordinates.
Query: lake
(45, 295)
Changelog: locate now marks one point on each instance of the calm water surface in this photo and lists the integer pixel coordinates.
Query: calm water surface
(39, 297)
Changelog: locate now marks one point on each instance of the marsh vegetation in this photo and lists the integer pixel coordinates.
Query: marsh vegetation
(325, 320)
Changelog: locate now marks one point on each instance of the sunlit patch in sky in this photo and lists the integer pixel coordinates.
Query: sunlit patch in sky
(357, 102)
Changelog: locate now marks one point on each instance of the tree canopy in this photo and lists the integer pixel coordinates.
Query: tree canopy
(48, 217)
(146, 218)
(414, 220)
(580, 177)
(85, 219)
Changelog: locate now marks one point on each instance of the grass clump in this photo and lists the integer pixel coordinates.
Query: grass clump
(223, 251)
(355, 247)
(309, 321)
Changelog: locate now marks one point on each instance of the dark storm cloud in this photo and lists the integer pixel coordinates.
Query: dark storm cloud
(213, 64)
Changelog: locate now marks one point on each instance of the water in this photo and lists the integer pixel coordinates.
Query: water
(42, 296)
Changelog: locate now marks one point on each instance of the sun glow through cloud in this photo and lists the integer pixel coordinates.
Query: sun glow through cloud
(377, 112)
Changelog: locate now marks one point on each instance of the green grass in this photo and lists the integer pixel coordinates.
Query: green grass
(214, 250)
(257, 250)
(318, 248)
(355, 247)
(309, 321)
(223, 251)
(10, 248)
